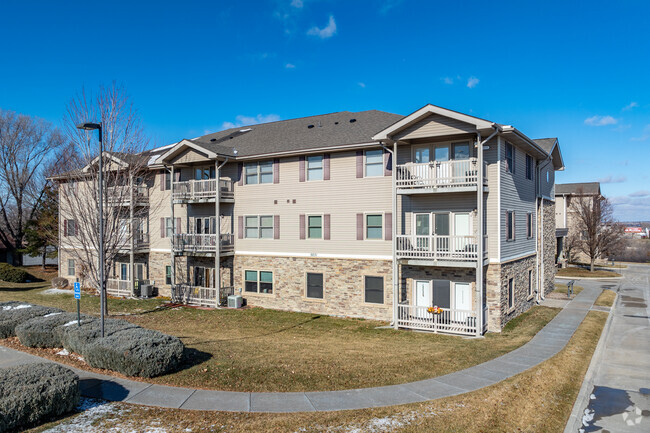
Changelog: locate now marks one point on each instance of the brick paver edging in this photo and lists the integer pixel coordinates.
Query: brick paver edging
(548, 342)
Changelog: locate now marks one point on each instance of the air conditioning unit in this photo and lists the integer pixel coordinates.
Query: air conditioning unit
(146, 291)
(235, 301)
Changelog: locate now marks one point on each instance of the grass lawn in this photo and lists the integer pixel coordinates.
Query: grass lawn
(617, 265)
(265, 350)
(539, 400)
(606, 298)
(581, 273)
(561, 289)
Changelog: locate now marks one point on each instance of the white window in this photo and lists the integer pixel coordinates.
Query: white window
(70, 227)
(374, 163)
(205, 225)
(205, 173)
(169, 227)
(124, 272)
(259, 227)
(374, 226)
(168, 274)
(511, 293)
(258, 172)
(71, 270)
(258, 282)
(374, 290)
(314, 227)
(315, 167)
(314, 285)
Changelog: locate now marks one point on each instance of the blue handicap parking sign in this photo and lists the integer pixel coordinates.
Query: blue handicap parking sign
(77, 290)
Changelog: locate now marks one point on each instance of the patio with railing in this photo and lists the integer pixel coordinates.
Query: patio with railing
(202, 243)
(438, 247)
(201, 296)
(203, 189)
(120, 195)
(439, 174)
(447, 321)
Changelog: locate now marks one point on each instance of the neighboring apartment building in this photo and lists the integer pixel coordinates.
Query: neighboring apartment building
(366, 214)
(564, 221)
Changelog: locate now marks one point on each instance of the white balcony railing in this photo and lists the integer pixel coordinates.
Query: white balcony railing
(435, 247)
(203, 296)
(122, 288)
(202, 189)
(201, 243)
(120, 195)
(448, 321)
(439, 174)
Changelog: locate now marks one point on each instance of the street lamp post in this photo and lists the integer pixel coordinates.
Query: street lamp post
(102, 293)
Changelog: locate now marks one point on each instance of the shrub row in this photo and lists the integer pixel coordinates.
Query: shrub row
(46, 331)
(31, 394)
(77, 338)
(13, 274)
(15, 314)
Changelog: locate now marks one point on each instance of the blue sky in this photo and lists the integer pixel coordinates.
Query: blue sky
(576, 70)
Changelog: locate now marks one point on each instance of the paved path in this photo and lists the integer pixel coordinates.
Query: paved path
(550, 340)
(615, 394)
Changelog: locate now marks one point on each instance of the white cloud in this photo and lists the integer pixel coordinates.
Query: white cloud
(630, 106)
(631, 209)
(472, 82)
(242, 120)
(600, 121)
(447, 80)
(326, 32)
(612, 179)
(644, 136)
(362, 85)
(388, 5)
(298, 4)
(642, 193)
(290, 66)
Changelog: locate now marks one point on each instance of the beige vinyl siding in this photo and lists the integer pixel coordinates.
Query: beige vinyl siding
(518, 195)
(160, 207)
(190, 156)
(343, 197)
(434, 125)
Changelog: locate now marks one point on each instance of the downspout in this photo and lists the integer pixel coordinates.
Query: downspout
(481, 235)
(393, 153)
(217, 266)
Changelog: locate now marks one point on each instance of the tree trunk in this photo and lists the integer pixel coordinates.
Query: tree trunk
(592, 264)
(44, 257)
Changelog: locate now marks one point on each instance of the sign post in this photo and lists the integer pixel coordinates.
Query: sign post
(77, 296)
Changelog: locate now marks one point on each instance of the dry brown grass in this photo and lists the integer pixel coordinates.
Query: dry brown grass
(582, 273)
(265, 350)
(539, 400)
(606, 298)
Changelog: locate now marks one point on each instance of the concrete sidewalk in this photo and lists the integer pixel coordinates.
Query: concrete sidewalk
(615, 395)
(549, 341)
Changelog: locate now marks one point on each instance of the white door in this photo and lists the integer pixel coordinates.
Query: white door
(422, 297)
(462, 300)
(462, 232)
(421, 156)
(441, 156)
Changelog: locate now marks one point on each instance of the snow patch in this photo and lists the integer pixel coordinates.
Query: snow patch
(55, 291)
(16, 307)
(70, 323)
(64, 352)
(52, 314)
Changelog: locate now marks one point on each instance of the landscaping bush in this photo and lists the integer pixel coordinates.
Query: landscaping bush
(13, 315)
(77, 338)
(46, 331)
(136, 352)
(59, 283)
(12, 274)
(33, 393)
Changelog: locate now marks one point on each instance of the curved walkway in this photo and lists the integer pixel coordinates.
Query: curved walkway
(549, 341)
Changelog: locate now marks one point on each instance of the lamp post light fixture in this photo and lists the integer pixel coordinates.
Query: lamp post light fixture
(88, 126)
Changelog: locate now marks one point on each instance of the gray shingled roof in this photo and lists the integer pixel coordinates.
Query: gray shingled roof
(574, 188)
(546, 143)
(305, 133)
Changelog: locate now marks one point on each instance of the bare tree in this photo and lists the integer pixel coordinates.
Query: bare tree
(595, 233)
(27, 146)
(124, 142)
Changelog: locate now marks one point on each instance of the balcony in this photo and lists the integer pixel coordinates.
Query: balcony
(202, 296)
(140, 243)
(122, 288)
(448, 321)
(121, 196)
(203, 191)
(191, 243)
(439, 176)
(452, 250)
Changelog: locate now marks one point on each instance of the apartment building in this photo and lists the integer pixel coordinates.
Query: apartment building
(366, 214)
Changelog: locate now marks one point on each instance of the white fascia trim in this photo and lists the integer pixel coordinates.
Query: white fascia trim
(310, 151)
(427, 110)
(515, 257)
(315, 255)
(160, 250)
(180, 145)
(111, 157)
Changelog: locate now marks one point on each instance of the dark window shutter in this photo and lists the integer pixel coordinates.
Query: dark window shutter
(326, 227)
(240, 172)
(359, 164)
(177, 229)
(302, 226)
(326, 166)
(388, 226)
(388, 163)
(240, 227)
(276, 226)
(276, 170)
(162, 227)
(162, 180)
(301, 168)
(359, 226)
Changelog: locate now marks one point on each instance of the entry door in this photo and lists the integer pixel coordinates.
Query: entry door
(139, 271)
(124, 272)
(441, 155)
(462, 300)
(462, 231)
(421, 156)
(441, 230)
(422, 228)
(422, 297)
